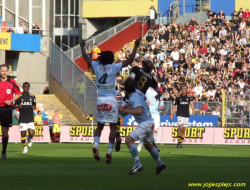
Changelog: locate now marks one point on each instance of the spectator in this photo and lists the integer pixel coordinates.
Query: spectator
(10, 70)
(176, 12)
(46, 90)
(153, 16)
(95, 51)
(129, 48)
(10, 30)
(161, 56)
(57, 123)
(38, 119)
(36, 29)
(121, 56)
(221, 17)
(20, 28)
(89, 51)
(193, 22)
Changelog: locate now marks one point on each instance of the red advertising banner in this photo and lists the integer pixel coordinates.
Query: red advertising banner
(166, 135)
(41, 134)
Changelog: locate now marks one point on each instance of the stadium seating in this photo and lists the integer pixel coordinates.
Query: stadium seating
(4, 24)
(50, 102)
(9, 24)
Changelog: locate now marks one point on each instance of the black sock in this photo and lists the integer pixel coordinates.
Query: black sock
(179, 139)
(5, 143)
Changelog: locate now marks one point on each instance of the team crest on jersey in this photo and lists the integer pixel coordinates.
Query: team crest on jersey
(104, 107)
(8, 91)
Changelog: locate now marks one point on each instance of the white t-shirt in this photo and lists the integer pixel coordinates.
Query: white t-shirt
(215, 113)
(175, 55)
(152, 13)
(19, 30)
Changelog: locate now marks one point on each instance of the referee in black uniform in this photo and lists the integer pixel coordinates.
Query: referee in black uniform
(181, 103)
(8, 87)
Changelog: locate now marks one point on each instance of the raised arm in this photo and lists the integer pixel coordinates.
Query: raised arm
(84, 54)
(132, 55)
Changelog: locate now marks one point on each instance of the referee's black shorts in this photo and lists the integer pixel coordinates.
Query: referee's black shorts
(6, 116)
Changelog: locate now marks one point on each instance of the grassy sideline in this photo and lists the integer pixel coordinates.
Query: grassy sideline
(72, 167)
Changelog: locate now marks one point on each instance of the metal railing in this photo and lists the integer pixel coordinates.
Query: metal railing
(237, 110)
(202, 108)
(73, 80)
(200, 6)
(75, 52)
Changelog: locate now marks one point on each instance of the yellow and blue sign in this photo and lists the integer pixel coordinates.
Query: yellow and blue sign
(20, 42)
(5, 41)
(120, 8)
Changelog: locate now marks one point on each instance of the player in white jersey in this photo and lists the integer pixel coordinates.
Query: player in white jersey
(155, 105)
(144, 130)
(107, 107)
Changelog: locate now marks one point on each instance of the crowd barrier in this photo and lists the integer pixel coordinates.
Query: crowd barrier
(166, 135)
(42, 134)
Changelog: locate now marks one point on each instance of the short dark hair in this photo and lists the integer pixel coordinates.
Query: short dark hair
(148, 65)
(26, 83)
(129, 85)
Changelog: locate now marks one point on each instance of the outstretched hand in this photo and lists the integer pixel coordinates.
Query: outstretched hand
(137, 42)
(82, 44)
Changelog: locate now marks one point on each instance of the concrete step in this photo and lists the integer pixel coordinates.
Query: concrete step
(51, 102)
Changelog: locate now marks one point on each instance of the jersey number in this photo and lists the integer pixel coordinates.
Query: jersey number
(141, 83)
(102, 80)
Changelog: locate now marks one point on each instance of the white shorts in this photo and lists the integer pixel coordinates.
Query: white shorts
(183, 120)
(106, 110)
(157, 121)
(26, 126)
(144, 132)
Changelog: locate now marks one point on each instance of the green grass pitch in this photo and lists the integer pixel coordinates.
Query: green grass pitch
(72, 167)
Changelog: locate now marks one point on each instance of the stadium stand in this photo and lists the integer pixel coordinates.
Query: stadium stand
(209, 57)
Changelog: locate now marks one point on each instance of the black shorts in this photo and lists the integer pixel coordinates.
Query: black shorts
(6, 116)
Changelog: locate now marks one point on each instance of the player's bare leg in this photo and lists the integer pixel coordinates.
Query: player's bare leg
(97, 135)
(181, 135)
(23, 140)
(111, 142)
(5, 139)
(30, 136)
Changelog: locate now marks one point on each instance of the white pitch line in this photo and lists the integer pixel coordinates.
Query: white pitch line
(207, 155)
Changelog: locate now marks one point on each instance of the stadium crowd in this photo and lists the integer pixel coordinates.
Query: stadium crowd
(210, 57)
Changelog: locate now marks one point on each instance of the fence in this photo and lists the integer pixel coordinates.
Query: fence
(202, 108)
(73, 80)
(192, 6)
(237, 110)
(75, 52)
